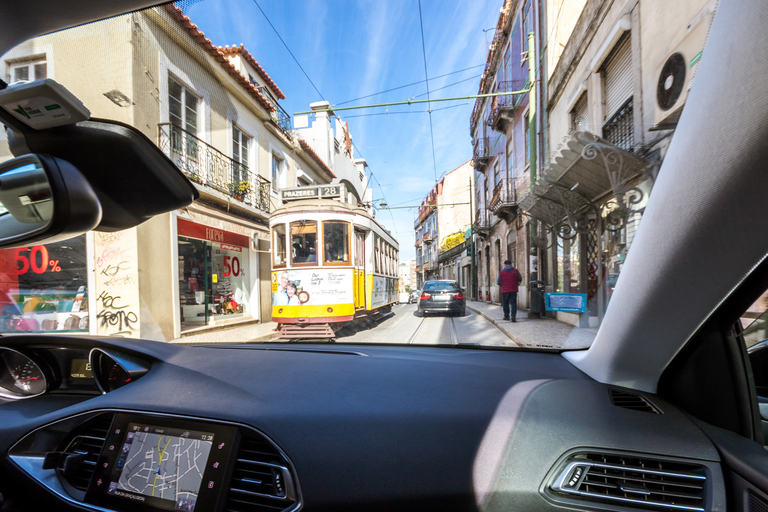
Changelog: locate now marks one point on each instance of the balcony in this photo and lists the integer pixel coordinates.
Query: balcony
(503, 107)
(620, 128)
(280, 117)
(207, 166)
(482, 222)
(424, 212)
(427, 238)
(504, 201)
(481, 154)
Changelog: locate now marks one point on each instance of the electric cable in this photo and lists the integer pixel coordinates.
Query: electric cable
(429, 104)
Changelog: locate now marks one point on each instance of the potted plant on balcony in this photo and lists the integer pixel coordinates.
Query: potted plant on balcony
(238, 189)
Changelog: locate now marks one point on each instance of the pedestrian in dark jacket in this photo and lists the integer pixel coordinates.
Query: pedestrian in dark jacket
(509, 279)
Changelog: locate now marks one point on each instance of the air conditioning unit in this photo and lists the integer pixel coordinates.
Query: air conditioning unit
(676, 72)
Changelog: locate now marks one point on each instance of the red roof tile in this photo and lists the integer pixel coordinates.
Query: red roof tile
(245, 54)
(306, 147)
(217, 54)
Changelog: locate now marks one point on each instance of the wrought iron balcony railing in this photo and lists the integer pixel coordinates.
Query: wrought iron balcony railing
(620, 128)
(481, 154)
(206, 165)
(503, 107)
(482, 221)
(280, 117)
(504, 195)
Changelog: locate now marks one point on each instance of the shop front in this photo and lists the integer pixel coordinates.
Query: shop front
(588, 204)
(214, 275)
(44, 288)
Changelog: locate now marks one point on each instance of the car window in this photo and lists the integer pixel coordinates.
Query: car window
(313, 168)
(440, 286)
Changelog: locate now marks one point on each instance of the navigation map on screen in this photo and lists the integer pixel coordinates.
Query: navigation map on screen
(163, 463)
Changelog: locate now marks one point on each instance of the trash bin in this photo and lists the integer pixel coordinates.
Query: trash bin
(537, 298)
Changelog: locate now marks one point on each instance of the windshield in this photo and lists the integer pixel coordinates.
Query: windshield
(350, 154)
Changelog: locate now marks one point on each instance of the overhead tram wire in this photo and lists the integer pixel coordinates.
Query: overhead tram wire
(289, 51)
(429, 105)
(409, 85)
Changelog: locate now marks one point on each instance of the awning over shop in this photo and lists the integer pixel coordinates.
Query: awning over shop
(585, 169)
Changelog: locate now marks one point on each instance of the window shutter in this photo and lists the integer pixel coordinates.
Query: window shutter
(618, 76)
(580, 113)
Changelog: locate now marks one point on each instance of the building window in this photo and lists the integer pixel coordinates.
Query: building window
(277, 171)
(28, 71)
(579, 115)
(526, 126)
(240, 146)
(182, 113)
(182, 107)
(527, 22)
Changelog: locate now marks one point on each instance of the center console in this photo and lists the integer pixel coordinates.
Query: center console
(165, 464)
(132, 461)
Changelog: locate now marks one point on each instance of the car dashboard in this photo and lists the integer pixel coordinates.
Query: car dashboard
(135, 425)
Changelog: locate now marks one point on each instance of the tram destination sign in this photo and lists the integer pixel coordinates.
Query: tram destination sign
(316, 192)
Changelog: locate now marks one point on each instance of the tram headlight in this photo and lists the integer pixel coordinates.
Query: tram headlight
(330, 310)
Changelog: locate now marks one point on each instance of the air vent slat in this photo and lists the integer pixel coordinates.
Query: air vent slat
(261, 480)
(87, 439)
(633, 401)
(638, 481)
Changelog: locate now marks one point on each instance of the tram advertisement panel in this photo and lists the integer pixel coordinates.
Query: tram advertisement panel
(384, 291)
(312, 287)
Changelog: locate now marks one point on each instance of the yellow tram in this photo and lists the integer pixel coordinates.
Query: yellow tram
(332, 263)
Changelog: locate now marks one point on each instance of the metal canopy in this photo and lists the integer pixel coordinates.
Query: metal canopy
(584, 169)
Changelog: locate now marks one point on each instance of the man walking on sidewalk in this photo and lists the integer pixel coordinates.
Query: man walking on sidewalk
(509, 280)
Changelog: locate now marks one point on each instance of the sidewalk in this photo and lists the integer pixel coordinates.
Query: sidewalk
(535, 333)
(235, 334)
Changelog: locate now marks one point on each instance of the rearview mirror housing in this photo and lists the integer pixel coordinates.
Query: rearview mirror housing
(44, 199)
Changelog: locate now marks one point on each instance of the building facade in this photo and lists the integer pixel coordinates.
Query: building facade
(610, 85)
(214, 111)
(501, 133)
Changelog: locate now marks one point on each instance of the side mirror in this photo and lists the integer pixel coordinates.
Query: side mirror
(44, 199)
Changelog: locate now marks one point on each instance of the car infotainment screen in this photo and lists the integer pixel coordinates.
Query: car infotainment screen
(161, 466)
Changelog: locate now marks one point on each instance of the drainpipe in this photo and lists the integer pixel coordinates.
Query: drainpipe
(533, 274)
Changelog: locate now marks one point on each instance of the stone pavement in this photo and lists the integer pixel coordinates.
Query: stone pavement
(242, 333)
(535, 333)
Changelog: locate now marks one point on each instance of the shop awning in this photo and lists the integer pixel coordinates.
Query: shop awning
(585, 169)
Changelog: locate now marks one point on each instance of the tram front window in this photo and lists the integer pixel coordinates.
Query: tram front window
(303, 242)
(278, 242)
(335, 242)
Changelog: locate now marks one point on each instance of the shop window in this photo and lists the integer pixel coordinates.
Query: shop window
(214, 281)
(303, 243)
(44, 288)
(278, 242)
(335, 243)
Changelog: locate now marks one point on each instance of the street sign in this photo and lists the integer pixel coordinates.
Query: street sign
(567, 302)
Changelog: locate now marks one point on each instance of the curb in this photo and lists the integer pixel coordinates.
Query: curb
(509, 335)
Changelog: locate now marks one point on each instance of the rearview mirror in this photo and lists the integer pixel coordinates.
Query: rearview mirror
(44, 199)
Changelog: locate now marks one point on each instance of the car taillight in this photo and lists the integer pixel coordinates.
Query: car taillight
(424, 296)
(458, 295)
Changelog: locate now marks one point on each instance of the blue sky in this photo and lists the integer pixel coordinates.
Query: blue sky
(354, 48)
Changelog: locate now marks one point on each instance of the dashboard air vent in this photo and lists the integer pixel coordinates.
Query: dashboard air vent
(261, 478)
(635, 482)
(633, 401)
(88, 440)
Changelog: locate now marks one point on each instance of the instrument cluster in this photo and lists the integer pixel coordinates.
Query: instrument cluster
(34, 370)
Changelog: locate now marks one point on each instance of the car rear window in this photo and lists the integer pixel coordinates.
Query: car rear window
(440, 286)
